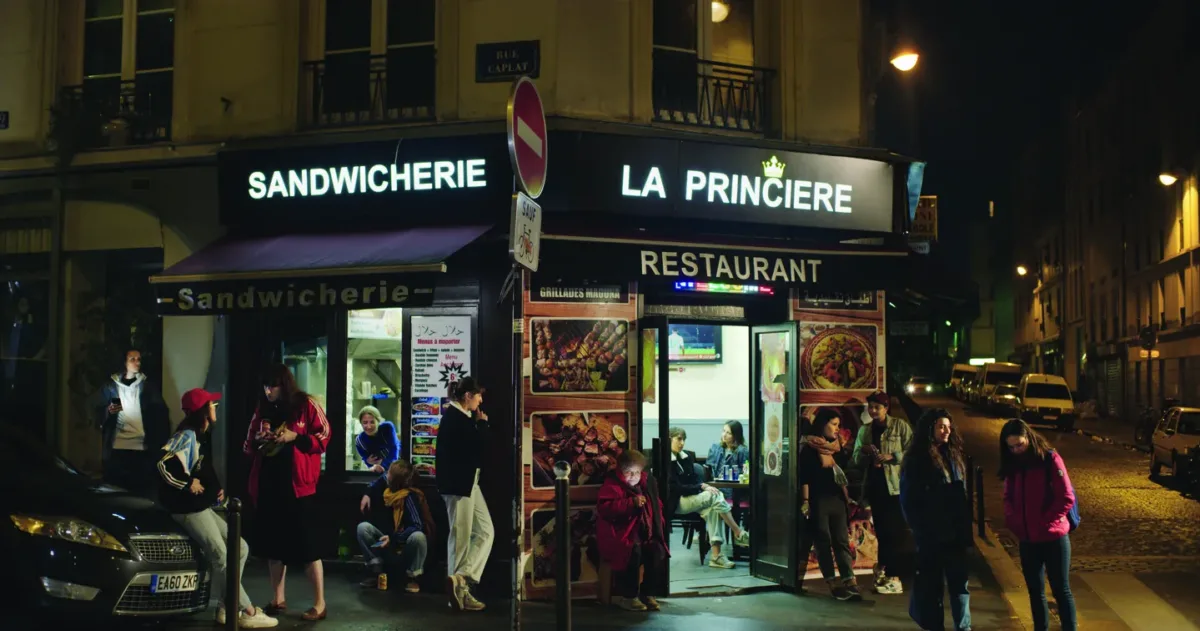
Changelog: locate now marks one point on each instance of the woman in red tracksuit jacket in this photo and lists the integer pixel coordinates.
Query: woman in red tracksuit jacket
(287, 436)
(1037, 498)
(631, 531)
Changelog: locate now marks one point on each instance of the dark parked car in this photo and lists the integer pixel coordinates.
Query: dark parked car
(77, 548)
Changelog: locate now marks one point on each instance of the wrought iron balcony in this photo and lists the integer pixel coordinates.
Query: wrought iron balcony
(691, 91)
(351, 89)
(114, 113)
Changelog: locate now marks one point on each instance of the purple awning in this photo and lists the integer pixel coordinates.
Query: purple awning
(414, 250)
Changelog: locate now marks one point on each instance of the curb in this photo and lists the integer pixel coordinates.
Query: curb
(1098, 437)
(1008, 575)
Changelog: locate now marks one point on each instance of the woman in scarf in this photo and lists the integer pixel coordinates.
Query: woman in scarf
(826, 504)
(399, 525)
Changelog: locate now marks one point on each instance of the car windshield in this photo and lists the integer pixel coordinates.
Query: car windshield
(1003, 377)
(1047, 391)
(1006, 389)
(960, 374)
(920, 380)
(21, 454)
(1189, 423)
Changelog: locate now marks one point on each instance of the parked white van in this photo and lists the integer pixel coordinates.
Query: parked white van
(1046, 399)
(958, 375)
(992, 375)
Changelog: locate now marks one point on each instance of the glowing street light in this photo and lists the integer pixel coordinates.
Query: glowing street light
(1022, 270)
(720, 11)
(1167, 178)
(905, 60)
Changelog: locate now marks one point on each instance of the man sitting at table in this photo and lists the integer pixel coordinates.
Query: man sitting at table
(399, 525)
(690, 495)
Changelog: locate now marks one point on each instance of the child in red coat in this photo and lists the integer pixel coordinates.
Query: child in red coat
(630, 531)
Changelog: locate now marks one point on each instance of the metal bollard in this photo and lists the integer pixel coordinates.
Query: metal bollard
(970, 484)
(562, 545)
(980, 517)
(233, 567)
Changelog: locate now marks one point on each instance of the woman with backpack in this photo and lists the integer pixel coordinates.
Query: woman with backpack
(1039, 508)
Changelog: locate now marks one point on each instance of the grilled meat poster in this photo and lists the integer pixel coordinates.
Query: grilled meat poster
(590, 442)
(574, 356)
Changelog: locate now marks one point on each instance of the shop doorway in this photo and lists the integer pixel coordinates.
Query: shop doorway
(701, 377)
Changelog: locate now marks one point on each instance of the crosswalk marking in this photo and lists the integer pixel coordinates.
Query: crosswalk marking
(1137, 605)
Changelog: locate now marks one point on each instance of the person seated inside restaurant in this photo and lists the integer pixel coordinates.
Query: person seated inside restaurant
(398, 526)
(731, 452)
(689, 494)
(378, 444)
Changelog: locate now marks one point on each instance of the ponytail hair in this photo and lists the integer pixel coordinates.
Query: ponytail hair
(467, 385)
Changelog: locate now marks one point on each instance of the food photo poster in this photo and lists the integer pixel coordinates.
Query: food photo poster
(440, 353)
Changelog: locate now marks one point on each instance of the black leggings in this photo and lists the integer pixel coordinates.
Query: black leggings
(890, 528)
(1051, 559)
(649, 555)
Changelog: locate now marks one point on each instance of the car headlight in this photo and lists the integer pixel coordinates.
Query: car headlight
(67, 529)
(910, 388)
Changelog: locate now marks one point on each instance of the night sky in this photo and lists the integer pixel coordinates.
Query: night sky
(992, 76)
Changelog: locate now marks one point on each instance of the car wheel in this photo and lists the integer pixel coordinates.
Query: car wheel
(1155, 467)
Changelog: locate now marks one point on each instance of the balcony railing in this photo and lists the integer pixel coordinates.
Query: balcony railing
(359, 89)
(115, 113)
(691, 91)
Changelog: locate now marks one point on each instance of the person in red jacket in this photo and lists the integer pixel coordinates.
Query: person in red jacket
(1037, 498)
(630, 531)
(287, 436)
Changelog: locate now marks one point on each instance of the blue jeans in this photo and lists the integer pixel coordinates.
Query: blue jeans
(937, 565)
(1053, 559)
(412, 557)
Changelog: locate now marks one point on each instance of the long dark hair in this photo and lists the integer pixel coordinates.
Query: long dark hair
(1038, 451)
(735, 429)
(823, 417)
(196, 421)
(924, 451)
(124, 359)
(291, 398)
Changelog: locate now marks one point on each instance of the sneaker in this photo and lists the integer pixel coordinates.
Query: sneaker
(743, 541)
(852, 588)
(412, 587)
(651, 603)
(721, 563)
(840, 592)
(470, 603)
(631, 604)
(369, 582)
(890, 586)
(220, 617)
(259, 620)
(456, 588)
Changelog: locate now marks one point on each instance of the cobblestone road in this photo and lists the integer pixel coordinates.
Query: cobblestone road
(1131, 524)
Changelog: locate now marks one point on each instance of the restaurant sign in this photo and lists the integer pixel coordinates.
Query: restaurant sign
(323, 293)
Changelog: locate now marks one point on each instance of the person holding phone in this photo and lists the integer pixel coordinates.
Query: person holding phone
(880, 449)
(286, 438)
(378, 445)
(462, 446)
(134, 425)
(189, 488)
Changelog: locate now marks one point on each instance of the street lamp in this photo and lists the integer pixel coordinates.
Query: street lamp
(720, 11)
(905, 61)
(1166, 178)
(1022, 270)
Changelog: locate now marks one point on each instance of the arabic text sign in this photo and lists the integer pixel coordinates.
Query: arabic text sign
(441, 356)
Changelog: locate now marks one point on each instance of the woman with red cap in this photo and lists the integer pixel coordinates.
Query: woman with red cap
(189, 488)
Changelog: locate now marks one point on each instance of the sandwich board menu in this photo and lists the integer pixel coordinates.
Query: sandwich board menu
(440, 348)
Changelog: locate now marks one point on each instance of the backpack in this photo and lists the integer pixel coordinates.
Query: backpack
(1073, 517)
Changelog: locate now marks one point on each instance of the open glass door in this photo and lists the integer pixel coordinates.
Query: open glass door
(653, 395)
(773, 481)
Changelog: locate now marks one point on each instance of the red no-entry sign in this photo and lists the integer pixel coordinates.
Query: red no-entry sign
(527, 139)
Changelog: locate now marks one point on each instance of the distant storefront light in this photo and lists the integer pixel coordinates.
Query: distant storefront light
(980, 361)
(722, 288)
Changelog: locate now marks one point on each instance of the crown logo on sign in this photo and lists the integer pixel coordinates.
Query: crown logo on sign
(774, 168)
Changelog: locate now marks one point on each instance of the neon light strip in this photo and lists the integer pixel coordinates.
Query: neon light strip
(722, 288)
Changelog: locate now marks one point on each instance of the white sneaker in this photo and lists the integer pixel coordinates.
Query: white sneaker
(220, 618)
(259, 620)
(721, 562)
(891, 585)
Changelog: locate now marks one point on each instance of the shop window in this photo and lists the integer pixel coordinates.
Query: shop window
(378, 63)
(125, 94)
(374, 377)
(704, 70)
(308, 359)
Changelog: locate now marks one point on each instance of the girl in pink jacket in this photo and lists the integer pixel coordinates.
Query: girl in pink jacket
(1037, 499)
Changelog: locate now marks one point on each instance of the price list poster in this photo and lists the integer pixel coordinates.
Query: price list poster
(440, 350)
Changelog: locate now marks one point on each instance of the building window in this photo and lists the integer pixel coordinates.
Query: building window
(378, 63)
(374, 378)
(126, 92)
(704, 70)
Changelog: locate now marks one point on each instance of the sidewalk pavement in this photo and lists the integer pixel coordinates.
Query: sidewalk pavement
(1114, 431)
(351, 607)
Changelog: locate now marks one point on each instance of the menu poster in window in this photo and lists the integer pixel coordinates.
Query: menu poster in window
(441, 356)
(376, 324)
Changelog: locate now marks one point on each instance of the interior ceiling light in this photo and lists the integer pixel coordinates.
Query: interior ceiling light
(720, 11)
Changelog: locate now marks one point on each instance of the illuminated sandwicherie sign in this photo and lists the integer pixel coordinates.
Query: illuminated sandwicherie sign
(361, 179)
(770, 189)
